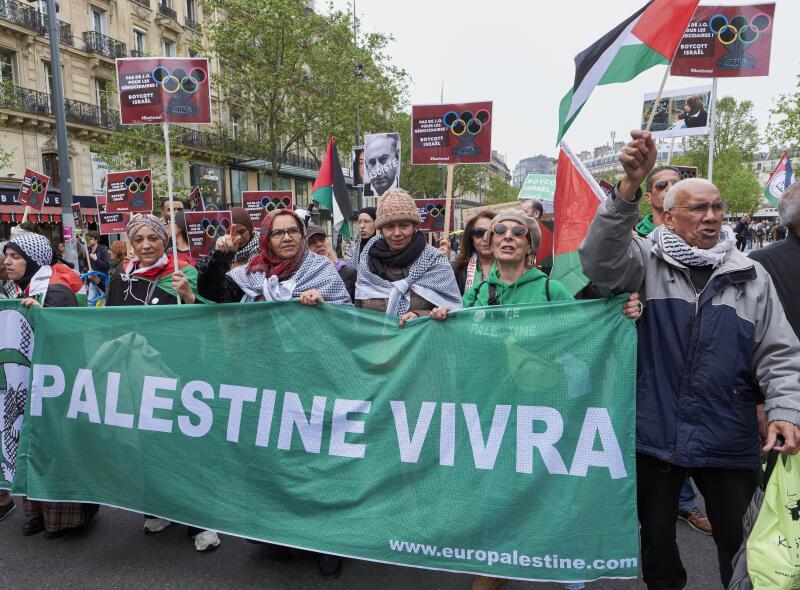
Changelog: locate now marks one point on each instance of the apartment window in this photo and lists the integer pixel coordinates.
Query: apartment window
(235, 123)
(99, 20)
(50, 168)
(238, 186)
(169, 47)
(7, 66)
(191, 13)
(101, 93)
(140, 41)
(48, 77)
(301, 192)
(265, 182)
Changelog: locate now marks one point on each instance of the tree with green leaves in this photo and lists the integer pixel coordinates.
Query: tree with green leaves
(784, 131)
(290, 74)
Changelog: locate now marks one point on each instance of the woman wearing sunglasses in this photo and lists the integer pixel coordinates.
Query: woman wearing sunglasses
(475, 257)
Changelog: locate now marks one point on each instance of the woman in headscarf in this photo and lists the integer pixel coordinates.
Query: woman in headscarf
(149, 278)
(475, 257)
(27, 263)
(398, 273)
(283, 269)
(366, 231)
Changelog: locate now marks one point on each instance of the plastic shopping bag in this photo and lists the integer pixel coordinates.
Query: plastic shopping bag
(773, 548)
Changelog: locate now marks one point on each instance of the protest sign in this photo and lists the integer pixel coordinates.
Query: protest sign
(163, 90)
(110, 223)
(541, 187)
(203, 228)
(726, 41)
(381, 163)
(432, 213)
(79, 219)
(536, 436)
(358, 166)
(196, 202)
(33, 190)
(606, 186)
(257, 202)
(678, 112)
(687, 171)
(451, 133)
(129, 192)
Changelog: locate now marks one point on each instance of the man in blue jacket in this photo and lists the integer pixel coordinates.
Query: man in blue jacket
(713, 340)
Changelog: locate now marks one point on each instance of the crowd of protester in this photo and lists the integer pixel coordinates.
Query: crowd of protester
(718, 359)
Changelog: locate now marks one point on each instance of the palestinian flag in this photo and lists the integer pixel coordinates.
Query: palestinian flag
(544, 255)
(780, 180)
(330, 191)
(646, 39)
(576, 200)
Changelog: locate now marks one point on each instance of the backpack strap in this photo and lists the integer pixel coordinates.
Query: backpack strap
(547, 288)
(493, 300)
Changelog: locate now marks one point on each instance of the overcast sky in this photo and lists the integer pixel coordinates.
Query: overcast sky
(519, 53)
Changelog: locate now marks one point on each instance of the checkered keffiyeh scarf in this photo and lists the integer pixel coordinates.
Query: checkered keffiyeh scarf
(674, 246)
(430, 276)
(315, 272)
(249, 250)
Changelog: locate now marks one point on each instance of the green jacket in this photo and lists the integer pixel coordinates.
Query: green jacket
(529, 288)
(646, 226)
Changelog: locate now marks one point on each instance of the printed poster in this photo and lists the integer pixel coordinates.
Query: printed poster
(33, 190)
(678, 113)
(196, 202)
(381, 163)
(432, 213)
(451, 133)
(129, 192)
(110, 223)
(203, 228)
(256, 202)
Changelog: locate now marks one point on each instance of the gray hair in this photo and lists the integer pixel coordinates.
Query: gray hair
(789, 207)
(687, 184)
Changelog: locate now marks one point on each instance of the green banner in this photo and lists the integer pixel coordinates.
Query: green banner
(539, 186)
(500, 441)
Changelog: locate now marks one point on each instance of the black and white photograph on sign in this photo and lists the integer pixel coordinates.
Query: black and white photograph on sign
(381, 163)
(358, 165)
(679, 113)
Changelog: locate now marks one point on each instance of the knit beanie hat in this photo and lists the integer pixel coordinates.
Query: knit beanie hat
(396, 205)
(140, 220)
(534, 233)
(33, 247)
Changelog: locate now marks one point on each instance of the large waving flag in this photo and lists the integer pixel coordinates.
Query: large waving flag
(576, 200)
(646, 39)
(330, 190)
(780, 180)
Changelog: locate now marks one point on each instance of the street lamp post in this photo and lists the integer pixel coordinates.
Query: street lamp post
(70, 249)
(359, 73)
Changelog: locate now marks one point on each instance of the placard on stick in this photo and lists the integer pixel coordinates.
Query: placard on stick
(432, 213)
(110, 223)
(257, 202)
(33, 191)
(129, 192)
(203, 228)
(79, 219)
(451, 133)
(196, 202)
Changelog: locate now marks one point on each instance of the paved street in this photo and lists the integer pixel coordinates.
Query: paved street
(116, 554)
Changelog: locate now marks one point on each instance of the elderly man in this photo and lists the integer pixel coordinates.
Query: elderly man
(657, 183)
(782, 259)
(713, 338)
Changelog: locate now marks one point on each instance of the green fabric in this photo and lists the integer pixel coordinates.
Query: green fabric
(568, 270)
(529, 288)
(332, 429)
(646, 226)
(165, 282)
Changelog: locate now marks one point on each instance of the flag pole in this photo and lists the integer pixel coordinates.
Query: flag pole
(171, 201)
(25, 214)
(658, 97)
(448, 204)
(712, 129)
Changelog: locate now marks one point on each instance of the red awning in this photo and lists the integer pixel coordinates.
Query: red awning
(14, 213)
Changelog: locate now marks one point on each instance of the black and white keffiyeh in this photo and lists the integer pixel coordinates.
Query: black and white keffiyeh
(315, 272)
(430, 276)
(249, 250)
(674, 246)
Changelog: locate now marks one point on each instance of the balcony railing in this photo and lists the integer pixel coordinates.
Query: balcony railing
(192, 24)
(167, 11)
(143, 2)
(40, 103)
(137, 53)
(104, 45)
(30, 18)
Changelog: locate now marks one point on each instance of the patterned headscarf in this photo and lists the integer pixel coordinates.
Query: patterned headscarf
(140, 220)
(266, 261)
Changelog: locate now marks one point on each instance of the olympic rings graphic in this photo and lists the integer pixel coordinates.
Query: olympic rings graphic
(434, 210)
(138, 184)
(738, 28)
(273, 203)
(179, 79)
(36, 185)
(466, 122)
(215, 228)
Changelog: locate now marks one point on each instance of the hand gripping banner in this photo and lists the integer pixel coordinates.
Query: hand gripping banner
(499, 442)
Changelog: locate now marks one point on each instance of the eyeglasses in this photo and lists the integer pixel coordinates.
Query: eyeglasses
(662, 184)
(278, 234)
(701, 208)
(517, 231)
(479, 232)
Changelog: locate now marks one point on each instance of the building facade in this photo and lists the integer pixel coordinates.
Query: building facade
(92, 34)
(534, 165)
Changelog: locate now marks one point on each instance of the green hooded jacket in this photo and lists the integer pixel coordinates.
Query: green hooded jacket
(529, 288)
(646, 226)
